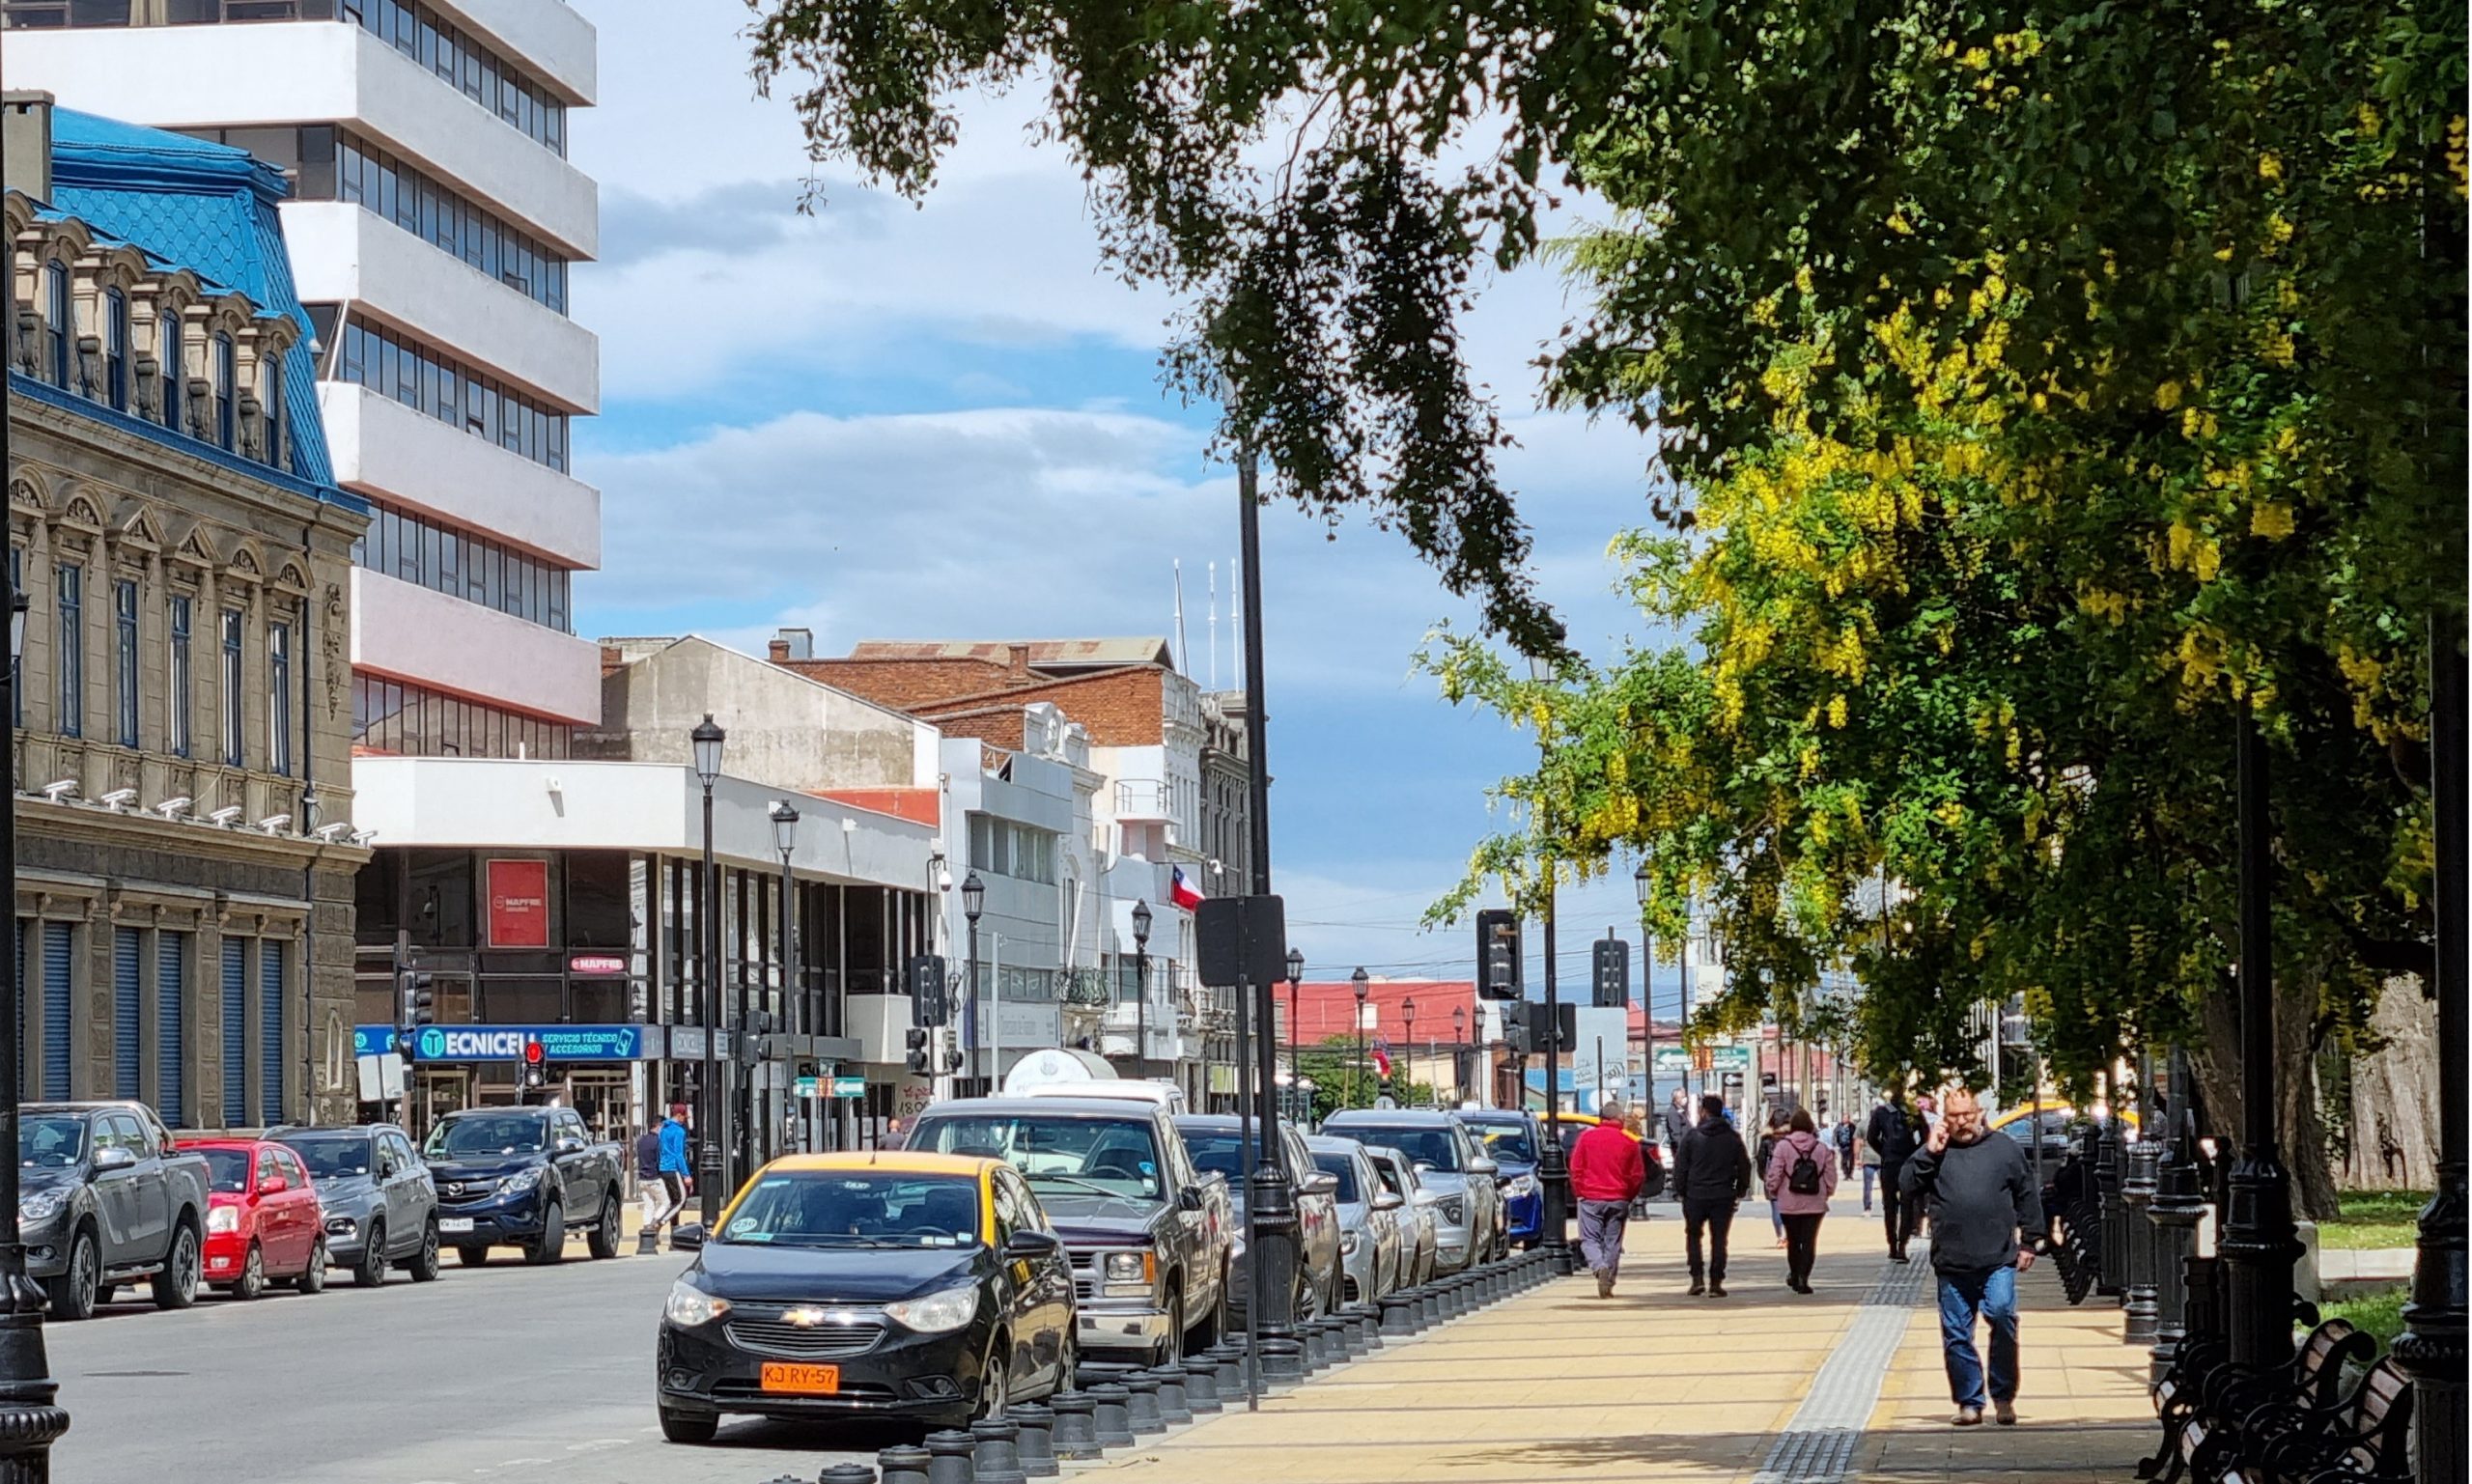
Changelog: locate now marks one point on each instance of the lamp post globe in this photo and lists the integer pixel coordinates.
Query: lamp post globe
(1295, 1031)
(707, 741)
(1141, 988)
(1640, 881)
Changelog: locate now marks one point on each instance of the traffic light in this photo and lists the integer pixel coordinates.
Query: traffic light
(917, 1040)
(419, 1008)
(1517, 1027)
(1613, 977)
(1498, 954)
(953, 1057)
(923, 977)
(535, 1065)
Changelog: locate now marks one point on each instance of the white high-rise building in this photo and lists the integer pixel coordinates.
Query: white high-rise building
(432, 219)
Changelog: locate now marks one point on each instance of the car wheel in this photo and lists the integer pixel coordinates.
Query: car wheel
(424, 1264)
(253, 1275)
(472, 1257)
(1172, 1349)
(312, 1278)
(104, 1293)
(551, 1243)
(603, 1241)
(994, 1382)
(371, 1270)
(72, 1293)
(176, 1286)
(1068, 1366)
(689, 1427)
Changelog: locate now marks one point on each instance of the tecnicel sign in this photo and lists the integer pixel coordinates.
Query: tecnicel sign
(506, 1043)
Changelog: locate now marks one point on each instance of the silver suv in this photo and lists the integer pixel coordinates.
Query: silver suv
(1450, 1160)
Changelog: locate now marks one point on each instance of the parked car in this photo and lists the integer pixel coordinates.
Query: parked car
(381, 1200)
(1213, 1139)
(1372, 1257)
(1418, 1223)
(104, 1198)
(1151, 1237)
(523, 1177)
(1450, 1163)
(1512, 1137)
(263, 1221)
(886, 1283)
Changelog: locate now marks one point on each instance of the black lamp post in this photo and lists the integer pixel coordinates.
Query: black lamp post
(1140, 989)
(1647, 986)
(1408, 1042)
(708, 740)
(2258, 1245)
(29, 1422)
(1295, 1030)
(1553, 1170)
(785, 839)
(973, 903)
(1458, 1052)
(1364, 987)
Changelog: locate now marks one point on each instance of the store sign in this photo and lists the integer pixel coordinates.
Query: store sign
(597, 964)
(506, 1043)
(519, 904)
(372, 1040)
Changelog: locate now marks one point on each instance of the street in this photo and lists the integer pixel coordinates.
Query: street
(538, 1375)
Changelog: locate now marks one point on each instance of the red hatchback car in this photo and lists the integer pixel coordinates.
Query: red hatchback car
(263, 1223)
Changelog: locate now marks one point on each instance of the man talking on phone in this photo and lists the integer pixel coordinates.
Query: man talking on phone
(1985, 1219)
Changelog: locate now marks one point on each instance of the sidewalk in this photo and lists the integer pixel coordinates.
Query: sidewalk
(1653, 1384)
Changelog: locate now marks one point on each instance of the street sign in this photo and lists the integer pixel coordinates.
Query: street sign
(1674, 1059)
(848, 1086)
(805, 1086)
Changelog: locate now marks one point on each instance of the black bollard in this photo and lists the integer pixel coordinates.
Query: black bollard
(1347, 1343)
(1429, 1305)
(1035, 1447)
(2139, 1301)
(1368, 1326)
(1398, 1314)
(2178, 1207)
(1315, 1334)
(1201, 1385)
(1141, 1405)
(1114, 1416)
(1173, 1408)
(904, 1464)
(996, 1457)
(2111, 1272)
(847, 1473)
(948, 1457)
(1077, 1425)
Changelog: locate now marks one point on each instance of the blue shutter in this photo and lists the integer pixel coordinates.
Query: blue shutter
(171, 985)
(129, 953)
(235, 1032)
(59, 958)
(270, 1030)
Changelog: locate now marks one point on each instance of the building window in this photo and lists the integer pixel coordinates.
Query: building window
(16, 665)
(227, 370)
(172, 342)
(124, 662)
(399, 192)
(409, 721)
(438, 385)
(279, 698)
(177, 680)
(445, 559)
(70, 652)
(234, 742)
(55, 286)
(116, 349)
(270, 397)
(462, 61)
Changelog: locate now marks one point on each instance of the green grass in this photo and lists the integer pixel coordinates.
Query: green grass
(2380, 1314)
(2375, 1218)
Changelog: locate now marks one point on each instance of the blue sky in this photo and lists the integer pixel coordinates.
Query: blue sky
(887, 420)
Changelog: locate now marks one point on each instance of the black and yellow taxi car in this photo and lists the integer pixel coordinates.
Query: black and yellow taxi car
(873, 1284)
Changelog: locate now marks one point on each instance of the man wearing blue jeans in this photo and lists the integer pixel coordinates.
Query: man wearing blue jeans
(1985, 1219)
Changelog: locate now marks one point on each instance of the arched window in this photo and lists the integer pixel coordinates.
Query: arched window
(116, 349)
(227, 370)
(55, 286)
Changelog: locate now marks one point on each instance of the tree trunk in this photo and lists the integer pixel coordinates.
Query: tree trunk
(2394, 1096)
(2300, 1134)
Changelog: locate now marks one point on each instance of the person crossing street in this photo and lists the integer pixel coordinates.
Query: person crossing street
(1607, 1174)
(1986, 1217)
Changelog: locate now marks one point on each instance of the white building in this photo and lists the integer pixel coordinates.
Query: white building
(432, 220)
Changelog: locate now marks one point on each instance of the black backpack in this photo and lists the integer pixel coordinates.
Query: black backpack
(1804, 1178)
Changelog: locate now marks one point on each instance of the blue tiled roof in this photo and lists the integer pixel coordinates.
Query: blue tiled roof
(208, 208)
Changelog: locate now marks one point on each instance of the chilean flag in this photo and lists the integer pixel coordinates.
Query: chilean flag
(1180, 892)
(1382, 1063)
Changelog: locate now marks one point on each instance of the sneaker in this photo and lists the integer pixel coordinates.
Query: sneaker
(2006, 1413)
(1967, 1416)
(1898, 1256)
(1698, 1288)
(1716, 1290)
(1603, 1283)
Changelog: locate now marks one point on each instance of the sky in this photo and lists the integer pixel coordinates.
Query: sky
(885, 420)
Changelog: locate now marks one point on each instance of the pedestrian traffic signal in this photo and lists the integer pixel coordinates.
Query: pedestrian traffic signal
(1518, 1030)
(535, 1065)
(1612, 976)
(923, 978)
(952, 1056)
(917, 1040)
(1498, 954)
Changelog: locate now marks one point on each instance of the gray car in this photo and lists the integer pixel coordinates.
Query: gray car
(1418, 1243)
(377, 1199)
(1372, 1259)
(1449, 1159)
(1211, 1138)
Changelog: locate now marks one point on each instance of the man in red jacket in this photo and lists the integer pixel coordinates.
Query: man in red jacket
(1606, 1173)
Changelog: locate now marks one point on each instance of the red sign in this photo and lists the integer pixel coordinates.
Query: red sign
(519, 904)
(596, 964)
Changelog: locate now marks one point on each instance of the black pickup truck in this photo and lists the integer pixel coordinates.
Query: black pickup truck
(523, 1177)
(105, 1199)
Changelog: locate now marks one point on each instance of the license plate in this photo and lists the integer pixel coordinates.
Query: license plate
(802, 1380)
(453, 1224)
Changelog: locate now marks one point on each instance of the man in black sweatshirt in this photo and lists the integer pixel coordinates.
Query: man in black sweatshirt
(1711, 1175)
(1985, 1219)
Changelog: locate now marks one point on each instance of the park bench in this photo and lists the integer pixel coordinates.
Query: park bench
(2363, 1439)
(2205, 1402)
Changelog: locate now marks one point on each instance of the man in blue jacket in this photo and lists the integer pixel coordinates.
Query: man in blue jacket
(674, 1165)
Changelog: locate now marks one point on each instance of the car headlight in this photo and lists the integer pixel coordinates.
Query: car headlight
(1130, 1267)
(342, 1226)
(524, 1179)
(223, 1219)
(690, 1305)
(41, 1206)
(1347, 1244)
(937, 1312)
(1522, 1187)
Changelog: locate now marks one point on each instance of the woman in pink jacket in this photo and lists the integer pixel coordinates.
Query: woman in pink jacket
(1801, 1177)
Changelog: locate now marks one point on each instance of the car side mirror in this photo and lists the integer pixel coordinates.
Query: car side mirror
(1032, 1243)
(1483, 1167)
(688, 1236)
(1189, 1199)
(1324, 1183)
(107, 1161)
(1386, 1201)
(272, 1185)
(568, 1144)
(1423, 1168)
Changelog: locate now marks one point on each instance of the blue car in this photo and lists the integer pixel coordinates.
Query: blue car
(1511, 1139)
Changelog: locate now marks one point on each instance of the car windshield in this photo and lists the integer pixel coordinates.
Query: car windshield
(484, 1133)
(333, 1158)
(1424, 1145)
(48, 1141)
(1062, 1154)
(1509, 1141)
(227, 1170)
(855, 1207)
(1344, 1168)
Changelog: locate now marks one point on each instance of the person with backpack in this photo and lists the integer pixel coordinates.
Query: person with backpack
(1890, 1136)
(1843, 1137)
(1801, 1177)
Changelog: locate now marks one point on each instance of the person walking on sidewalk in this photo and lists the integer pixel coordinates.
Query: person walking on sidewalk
(1711, 1175)
(1890, 1136)
(1843, 1137)
(1677, 1122)
(1606, 1173)
(1759, 1158)
(651, 1194)
(1985, 1219)
(1801, 1177)
(674, 1165)
(1871, 1172)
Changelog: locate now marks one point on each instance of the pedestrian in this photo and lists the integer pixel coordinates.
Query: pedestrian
(1712, 1174)
(1606, 1173)
(1844, 1137)
(1760, 1159)
(652, 1196)
(1985, 1220)
(674, 1164)
(1890, 1136)
(1801, 1177)
(1871, 1171)
(1677, 1122)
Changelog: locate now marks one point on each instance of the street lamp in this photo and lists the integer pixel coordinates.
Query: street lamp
(1458, 1050)
(29, 1422)
(1295, 1030)
(1648, 983)
(1363, 987)
(1552, 1172)
(1141, 988)
(1408, 1041)
(707, 740)
(975, 902)
(785, 839)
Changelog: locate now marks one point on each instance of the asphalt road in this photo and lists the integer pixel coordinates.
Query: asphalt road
(504, 1373)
